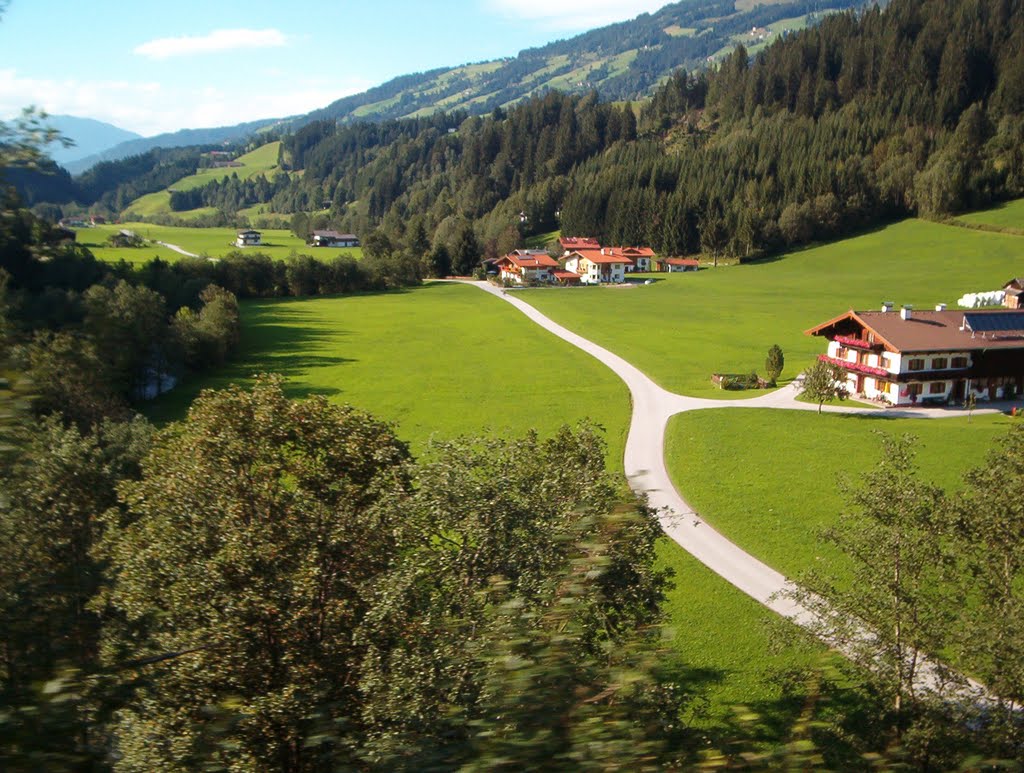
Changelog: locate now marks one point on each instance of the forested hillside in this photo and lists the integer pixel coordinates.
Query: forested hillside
(916, 109)
(869, 116)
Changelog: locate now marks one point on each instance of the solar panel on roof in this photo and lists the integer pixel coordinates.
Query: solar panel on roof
(997, 322)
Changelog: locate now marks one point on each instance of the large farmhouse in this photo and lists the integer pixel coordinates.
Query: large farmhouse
(598, 266)
(525, 266)
(911, 357)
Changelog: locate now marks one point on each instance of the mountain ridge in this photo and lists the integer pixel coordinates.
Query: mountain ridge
(90, 136)
(621, 61)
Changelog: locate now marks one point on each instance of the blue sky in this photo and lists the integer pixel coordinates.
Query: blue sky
(153, 67)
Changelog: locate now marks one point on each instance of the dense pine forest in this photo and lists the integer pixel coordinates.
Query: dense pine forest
(869, 116)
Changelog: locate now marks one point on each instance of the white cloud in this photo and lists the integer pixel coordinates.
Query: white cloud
(150, 108)
(575, 15)
(218, 40)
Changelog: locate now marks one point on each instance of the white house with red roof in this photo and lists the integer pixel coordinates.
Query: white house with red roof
(673, 265)
(910, 357)
(526, 266)
(642, 257)
(600, 266)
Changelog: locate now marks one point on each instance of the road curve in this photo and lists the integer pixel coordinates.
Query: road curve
(644, 464)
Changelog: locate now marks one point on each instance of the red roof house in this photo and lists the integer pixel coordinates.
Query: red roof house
(522, 266)
(598, 266)
(678, 264)
(570, 243)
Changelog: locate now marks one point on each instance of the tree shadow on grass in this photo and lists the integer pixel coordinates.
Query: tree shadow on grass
(276, 338)
(825, 703)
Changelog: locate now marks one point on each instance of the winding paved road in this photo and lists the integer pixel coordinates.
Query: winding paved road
(645, 464)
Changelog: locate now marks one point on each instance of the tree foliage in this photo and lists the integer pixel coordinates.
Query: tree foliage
(774, 363)
(824, 381)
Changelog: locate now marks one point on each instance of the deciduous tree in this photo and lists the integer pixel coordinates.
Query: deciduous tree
(245, 546)
(824, 381)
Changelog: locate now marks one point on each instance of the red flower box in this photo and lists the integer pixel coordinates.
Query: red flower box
(856, 343)
(856, 367)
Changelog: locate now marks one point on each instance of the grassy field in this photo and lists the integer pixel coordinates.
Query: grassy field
(444, 360)
(1009, 214)
(211, 242)
(750, 472)
(263, 160)
(684, 327)
(95, 238)
(438, 360)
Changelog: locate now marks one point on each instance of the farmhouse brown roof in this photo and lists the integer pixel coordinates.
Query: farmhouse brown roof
(928, 331)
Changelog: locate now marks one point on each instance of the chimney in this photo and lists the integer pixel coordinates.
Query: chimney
(906, 311)
(886, 306)
(940, 307)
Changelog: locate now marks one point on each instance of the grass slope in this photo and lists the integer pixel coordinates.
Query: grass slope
(686, 326)
(444, 360)
(211, 242)
(768, 479)
(1009, 214)
(262, 160)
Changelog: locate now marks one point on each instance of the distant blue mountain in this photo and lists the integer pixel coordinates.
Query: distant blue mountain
(90, 136)
(178, 139)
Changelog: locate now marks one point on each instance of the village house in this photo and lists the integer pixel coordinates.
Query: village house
(642, 257)
(673, 265)
(333, 239)
(526, 266)
(912, 357)
(248, 238)
(571, 243)
(598, 266)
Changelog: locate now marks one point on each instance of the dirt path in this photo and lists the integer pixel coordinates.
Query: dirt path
(645, 469)
(178, 249)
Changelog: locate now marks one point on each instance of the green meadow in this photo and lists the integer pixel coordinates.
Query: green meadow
(262, 160)
(444, 360)
(769, 480)
(210, 242)
(684, 327)
(1009, 214)
(437, 361)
